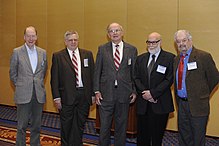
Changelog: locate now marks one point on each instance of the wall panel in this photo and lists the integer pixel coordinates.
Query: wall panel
(146, 16)
(98, 14)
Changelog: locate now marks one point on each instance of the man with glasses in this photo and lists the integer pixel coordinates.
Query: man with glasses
(196, 76)
(71, 83)
(114, 84)
(154, 77)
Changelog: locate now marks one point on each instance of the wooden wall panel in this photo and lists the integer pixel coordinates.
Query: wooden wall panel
(33, 13)
(7, 43)
(146, 16)
(8, 31)
(98, 14)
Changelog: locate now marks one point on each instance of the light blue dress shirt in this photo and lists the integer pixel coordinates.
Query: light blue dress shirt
(32, 53)
(183, 93)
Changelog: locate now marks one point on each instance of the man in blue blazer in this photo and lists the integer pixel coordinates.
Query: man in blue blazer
(195, 77)
(154, 77)
(27, 72)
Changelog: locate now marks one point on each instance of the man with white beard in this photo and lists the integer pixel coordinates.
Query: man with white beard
(154, 77)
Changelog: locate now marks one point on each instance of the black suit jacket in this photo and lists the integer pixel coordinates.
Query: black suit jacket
(160, 82)
(63, 76)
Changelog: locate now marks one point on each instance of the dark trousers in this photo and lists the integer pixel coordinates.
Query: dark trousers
(108, 110)
(151, 127)
(30, 111)
(73, 118)
(192, 129)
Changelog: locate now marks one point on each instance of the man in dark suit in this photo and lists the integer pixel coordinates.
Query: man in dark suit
(114, 84)
(195, 77)
(28, 67)
(154, 77)
(72, 82)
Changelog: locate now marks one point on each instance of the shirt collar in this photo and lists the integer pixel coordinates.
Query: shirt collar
(30, 50)
(76, 50)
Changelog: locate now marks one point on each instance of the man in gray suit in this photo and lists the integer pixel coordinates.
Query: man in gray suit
(195, 77)
(114, 84)
(28, 67)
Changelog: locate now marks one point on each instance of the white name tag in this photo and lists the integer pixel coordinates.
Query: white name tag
(129, 61)
(161, 69)
(86, 62)
(192, 65)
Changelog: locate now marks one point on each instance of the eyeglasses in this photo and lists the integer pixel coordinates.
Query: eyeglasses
(114, 30)
(152, 42)
(182, 41)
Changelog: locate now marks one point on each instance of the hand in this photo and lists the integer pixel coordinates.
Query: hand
(93, 99)
(152, 100)
(146, 94)
(98, 98)
(58, 103)
(133, 97)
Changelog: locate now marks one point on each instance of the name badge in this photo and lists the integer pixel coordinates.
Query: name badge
(192, 65)
(161, 69)
(129, 61)
(86, 62)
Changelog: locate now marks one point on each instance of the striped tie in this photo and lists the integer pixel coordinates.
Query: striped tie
(75, 64)
(117, 57)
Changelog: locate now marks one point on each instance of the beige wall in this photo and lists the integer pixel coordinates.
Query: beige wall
(90, 18)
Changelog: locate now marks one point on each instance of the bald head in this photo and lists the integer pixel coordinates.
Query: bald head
(154, 42)
(154, 36)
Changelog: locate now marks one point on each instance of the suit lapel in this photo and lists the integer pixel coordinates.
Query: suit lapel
(145, 62)
(124, 56)
(39, 58)
(109, 49)
(192, 58)
(68, 59)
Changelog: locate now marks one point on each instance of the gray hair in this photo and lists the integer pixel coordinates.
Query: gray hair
(68, 33)
(186, 32)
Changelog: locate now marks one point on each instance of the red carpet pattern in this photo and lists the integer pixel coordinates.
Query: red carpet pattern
(9, 135)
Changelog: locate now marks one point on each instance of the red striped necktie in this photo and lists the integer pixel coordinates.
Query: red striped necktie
(75, 64)
(117, 57)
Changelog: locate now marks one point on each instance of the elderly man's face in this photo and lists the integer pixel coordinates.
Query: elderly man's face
(30, 37)
(183, 43)
(153, 43)
(115, 33)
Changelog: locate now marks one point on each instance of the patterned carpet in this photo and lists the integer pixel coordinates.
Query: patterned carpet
(51, 125)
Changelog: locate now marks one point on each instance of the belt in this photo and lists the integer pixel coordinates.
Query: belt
(79, 88)
(184, 99)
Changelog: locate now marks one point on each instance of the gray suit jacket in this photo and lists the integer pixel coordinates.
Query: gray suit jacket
(23, 78)
(105, 73)
(199, 82)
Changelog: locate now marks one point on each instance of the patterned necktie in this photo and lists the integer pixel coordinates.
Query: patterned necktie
(180, 72)
(117, 57)
(75, 64)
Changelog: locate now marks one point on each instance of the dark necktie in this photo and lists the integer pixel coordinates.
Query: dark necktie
(180, 72)
(75, 64)
(150, 66)
(117, 57)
